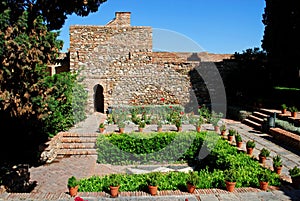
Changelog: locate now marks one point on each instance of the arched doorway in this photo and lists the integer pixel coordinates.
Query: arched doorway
(98, 98)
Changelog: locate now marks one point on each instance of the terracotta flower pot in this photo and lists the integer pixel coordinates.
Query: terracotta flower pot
(141, 130)
(294, 114)
(249, 151)
(73, 191)
(152, 190)
(283, 111)
(101, 130)
(223, 132)
(179, 129)
(230, 138)
(159, 129)
(230, 186)
(263, 185)
(190, 187)
(278, 169)
(239, 144)
(262, 159)
(121, 130)
(114, 191)
(198, 128)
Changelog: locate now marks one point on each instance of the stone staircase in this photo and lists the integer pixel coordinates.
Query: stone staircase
(66, 144)
(78, 144)
(259, 117)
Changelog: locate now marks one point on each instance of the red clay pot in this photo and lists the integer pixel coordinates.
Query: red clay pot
(263, 185)
(190, 187)
(230, 186)
(73, 191)
(249, 151)
(152, 190)
(277, 169)
(239, 144)
(114, 191)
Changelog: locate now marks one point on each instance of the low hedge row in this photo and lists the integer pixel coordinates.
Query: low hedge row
(211, 169)
(143, 148)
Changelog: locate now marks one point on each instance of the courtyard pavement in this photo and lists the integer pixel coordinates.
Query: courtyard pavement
(52, 178)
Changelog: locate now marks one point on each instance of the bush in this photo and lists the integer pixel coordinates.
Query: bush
(147, 147)
(250, 144)
(73, 182)
(294, 172)
(264, 152)
(211, 170)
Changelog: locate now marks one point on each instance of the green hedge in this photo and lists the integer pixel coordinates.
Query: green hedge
(143, 148)
(211, 169)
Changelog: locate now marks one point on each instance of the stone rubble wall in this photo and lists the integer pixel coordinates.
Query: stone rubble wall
(119, 57)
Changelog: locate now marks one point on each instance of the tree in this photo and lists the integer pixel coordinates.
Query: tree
(281, 39)
(248, 76)
(53, 12)
(31, 103)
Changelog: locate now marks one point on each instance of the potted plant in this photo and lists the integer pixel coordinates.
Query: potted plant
(101, 127)
(264, 177)
(73, 185)
(283, 108)
(250, 145)
(142, 125)
(152, 182)
(230, 176)
(114, 185)
(293, 111)
(214, 120)
(192, 181)
(238, 140)
(223, 129)
(264, 153)
(231, 133)
(199, 124)
(121, 126)
(295, 176)
(178, 124)
(159, 126)
(277, 164)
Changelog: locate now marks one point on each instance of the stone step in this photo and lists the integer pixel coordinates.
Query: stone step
(81, 135)
(252, 124)
(78, 146)
(78, 140)
(256, 119)
(66, 152)
(270, 111)
(260, 115)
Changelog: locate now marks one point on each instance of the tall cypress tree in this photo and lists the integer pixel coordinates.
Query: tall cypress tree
(281, 40)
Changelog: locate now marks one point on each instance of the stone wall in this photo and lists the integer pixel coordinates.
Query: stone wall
(119, 58)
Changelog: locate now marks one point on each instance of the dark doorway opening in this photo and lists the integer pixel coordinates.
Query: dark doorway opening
(98, 98)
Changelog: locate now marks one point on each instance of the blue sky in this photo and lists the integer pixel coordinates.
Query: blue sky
(216, 26)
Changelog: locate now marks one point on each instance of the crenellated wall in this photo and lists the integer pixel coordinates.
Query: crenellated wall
(118, 59)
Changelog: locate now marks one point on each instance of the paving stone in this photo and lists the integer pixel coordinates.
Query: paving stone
(209, 198)
(53, 177)
(228, 197)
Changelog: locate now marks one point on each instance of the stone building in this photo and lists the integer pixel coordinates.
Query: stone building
(120, 68)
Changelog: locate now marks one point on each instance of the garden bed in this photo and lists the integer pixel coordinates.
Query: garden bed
(211, 170)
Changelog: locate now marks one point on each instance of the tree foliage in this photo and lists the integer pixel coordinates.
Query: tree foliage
(53, 12)
(33, 105)
(249, 76)
(281, 38)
